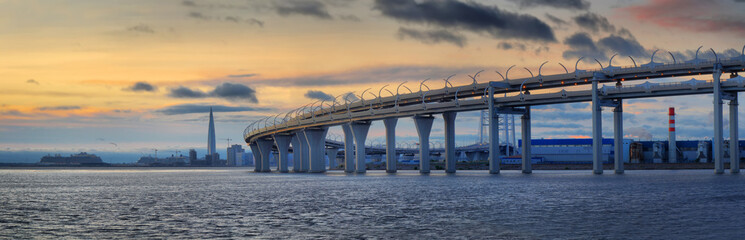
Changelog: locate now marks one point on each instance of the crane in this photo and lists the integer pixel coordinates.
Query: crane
(227, 139)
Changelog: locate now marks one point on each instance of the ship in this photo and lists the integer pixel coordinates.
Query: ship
(80, 159)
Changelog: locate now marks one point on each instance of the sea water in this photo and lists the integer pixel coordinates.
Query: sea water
(182, 203)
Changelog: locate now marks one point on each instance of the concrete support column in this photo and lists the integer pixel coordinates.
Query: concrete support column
(734, 139)
(718, 140)
(450, 158)
(265, 148)
(283, 145)
(597, 131)
(423, 127)
(257, 156)
(316, 138)
(494, 155)
(348, 148)
(331, 153)
(359, 131)
(299, 151)
(618, 138)
(390, 144)
(526, 155)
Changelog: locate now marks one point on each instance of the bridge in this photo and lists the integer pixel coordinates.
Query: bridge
(306, 127)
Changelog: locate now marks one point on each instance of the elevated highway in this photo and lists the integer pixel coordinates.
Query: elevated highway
(307, 126)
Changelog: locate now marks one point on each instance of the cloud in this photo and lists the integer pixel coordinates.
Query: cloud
(230, 91)
(202, 108)
(594, 22)
(188, 3)
(198, 15)
(31, 81)
(396, 73)
(184, 92)
(235, 91)
(638, 132)
(566, 4)
(309, 8)
(690, 15)
(556, 20)
(350, 18)
(57, 108)
(508, 46)
(141, 28)
(243, 75)
(623, 46)
(313, 94)
(469, 16)
(581, 45)
(432, 36)
(141, 87)
(233, 19)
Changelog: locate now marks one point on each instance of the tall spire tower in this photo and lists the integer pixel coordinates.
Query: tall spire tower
(211, 136)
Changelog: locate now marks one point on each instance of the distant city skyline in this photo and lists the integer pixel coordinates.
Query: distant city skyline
(133, 76)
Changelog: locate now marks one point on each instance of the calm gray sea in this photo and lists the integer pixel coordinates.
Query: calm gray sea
(238, 203)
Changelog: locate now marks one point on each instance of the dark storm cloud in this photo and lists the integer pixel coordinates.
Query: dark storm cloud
(566, 4)
(623, 46)
(184, 92)
(307, 8)
(32, 81)
(594, 22)
(470, 16)
(313, 94)
(432, 36)
(141, 87)
(58, 108)
(235, 91)
(141, 28)
(203, 108)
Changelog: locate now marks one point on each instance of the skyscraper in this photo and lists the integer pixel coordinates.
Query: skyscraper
(211, 136)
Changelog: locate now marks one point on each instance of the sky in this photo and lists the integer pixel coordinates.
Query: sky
(137, 75)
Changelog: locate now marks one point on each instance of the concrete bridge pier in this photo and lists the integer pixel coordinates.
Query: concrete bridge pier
(734, 143)
(618, 137)
(718, 140)
(526, 155)
(331, 153)
(423, 126)
(283, 145)
(359, 131)
(256, 154)
(390, 144)
(299, 151)
(316, 138)
(450, 158)
(597, 130)
(265, 149)
(494, 155)
(348, 148)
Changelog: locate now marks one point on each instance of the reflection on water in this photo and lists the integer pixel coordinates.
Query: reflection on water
(238, 203)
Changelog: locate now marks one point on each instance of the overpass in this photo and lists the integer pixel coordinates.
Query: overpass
(307, 126)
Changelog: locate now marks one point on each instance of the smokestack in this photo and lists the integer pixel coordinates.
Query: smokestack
(672, 148)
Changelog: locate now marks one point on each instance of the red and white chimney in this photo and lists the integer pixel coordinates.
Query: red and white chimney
(672, 148)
